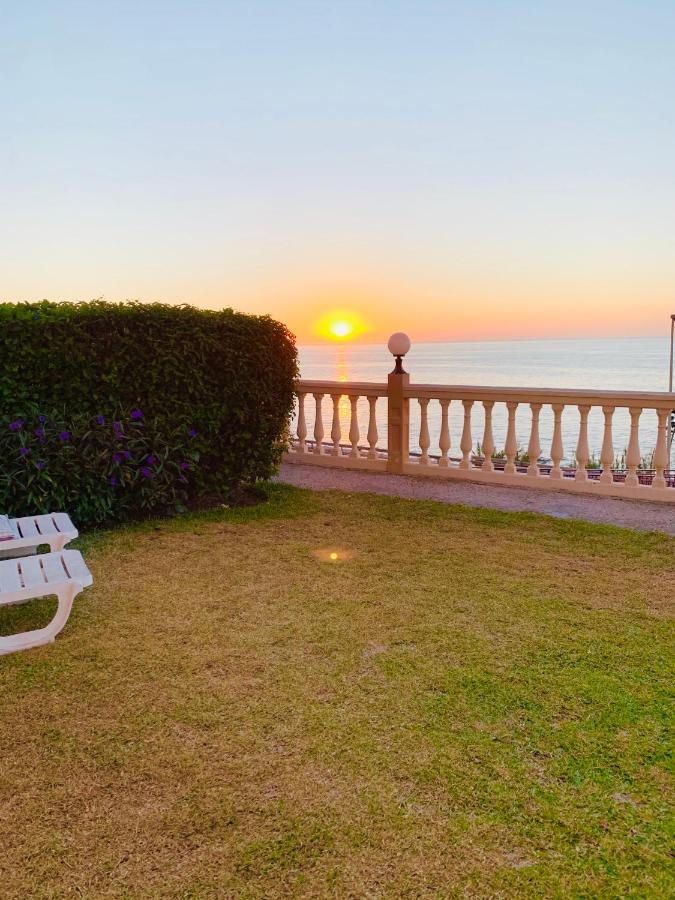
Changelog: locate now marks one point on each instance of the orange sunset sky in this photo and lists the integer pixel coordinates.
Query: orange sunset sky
(455, 170)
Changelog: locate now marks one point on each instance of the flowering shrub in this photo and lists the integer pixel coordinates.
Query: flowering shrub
(101, 469)
(103, 406)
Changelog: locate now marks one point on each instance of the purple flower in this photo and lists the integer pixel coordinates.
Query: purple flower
(120, 455)
(14, 426)
(42, 419)
(24, 451)
(40, 464)
(113, 481)
(40, 434)
(183, 479)
(117, 426)
(150, 460)
(185, 465)
(136, 414)
(146, 472)
(64, 436)
(100, 420)
(193, 432)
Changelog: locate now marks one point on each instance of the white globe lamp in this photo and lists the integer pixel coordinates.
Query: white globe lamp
(398, 345)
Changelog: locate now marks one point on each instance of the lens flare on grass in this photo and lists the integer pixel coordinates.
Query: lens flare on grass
(333, 554)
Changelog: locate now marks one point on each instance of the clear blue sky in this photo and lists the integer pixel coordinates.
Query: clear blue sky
(425, 163)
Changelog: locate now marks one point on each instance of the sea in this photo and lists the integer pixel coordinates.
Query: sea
(615, 364)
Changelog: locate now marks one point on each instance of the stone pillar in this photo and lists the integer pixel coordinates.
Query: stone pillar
(398, 422)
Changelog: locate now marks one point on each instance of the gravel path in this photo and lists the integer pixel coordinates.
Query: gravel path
(626, 513)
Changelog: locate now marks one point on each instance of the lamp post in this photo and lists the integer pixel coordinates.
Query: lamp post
(398, 345)
(671, 431)
(672, 335)
(398, 418)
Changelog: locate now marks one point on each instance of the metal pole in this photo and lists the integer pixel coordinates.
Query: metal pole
(671, 433)
(672, 333)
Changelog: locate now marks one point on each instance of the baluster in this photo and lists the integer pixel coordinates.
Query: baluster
(583, 453)
(557, 449)
(661, 449)
(336, 429)
(533, 448)
(318, 425)
(466, 444)
(511, 446)
(302, 424)
(633, 452)
(488, 439)
(607, 452)
(354, 426)
(425, 440)
(444, 442)
(372, 429)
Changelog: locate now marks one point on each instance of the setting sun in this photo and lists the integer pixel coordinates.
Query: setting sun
(341, 329)
(340, 325)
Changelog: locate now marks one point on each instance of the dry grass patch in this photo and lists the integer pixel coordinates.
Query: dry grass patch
(464, 703)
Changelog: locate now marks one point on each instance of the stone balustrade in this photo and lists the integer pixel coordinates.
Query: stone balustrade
(378, 435)
(327, 448)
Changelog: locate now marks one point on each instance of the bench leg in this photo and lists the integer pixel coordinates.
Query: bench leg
(27, 639)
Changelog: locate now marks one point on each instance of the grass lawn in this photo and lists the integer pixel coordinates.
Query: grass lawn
(466, 703)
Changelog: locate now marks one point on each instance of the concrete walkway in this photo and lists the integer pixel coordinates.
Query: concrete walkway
(626, 513)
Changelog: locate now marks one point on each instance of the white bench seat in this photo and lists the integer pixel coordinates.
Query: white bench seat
(63, 573)
(53, 529)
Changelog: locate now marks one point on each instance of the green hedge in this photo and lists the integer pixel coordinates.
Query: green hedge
(196, 401)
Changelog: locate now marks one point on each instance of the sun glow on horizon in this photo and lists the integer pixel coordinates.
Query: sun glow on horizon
(341, 325)
(341, 329)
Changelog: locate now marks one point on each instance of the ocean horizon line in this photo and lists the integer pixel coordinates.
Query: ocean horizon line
(355, 342)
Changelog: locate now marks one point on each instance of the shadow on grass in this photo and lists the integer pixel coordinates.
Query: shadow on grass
(277, 501)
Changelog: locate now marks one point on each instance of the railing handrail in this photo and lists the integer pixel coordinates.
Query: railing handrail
(363, 388)
(567, 396)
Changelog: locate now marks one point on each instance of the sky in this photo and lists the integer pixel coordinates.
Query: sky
(456, 170)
